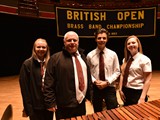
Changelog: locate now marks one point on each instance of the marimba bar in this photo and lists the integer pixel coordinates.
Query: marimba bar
(145, 111)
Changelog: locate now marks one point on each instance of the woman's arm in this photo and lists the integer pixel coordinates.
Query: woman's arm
(147, 78)
(121, 84)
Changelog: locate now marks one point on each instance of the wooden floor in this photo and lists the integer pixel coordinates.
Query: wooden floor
(10, 94)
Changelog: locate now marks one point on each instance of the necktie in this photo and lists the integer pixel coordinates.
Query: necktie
(79, 73)
(126, 72)
(101, 66)
(42, 69)
(42, 74)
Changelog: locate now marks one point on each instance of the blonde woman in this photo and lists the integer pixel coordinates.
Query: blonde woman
(31, 82)
(140, 73)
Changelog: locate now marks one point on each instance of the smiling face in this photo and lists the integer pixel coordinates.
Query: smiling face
(101, 40)
(132, 45)
(71, 42)
(40, 48)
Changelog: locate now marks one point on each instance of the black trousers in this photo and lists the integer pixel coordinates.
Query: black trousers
(68, 112)
(132, 96)
(41, 115)
(108, 94)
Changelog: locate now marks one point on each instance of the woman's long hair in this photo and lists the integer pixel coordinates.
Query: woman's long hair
(47, 55)
(127, 54)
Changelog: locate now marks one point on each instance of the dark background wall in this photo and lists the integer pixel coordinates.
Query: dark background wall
(18, 34)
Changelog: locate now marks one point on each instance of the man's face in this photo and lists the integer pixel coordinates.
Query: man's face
(71, 43)
(101, 40)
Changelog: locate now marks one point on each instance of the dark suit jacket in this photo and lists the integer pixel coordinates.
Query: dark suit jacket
(60, 81)
(31, 83)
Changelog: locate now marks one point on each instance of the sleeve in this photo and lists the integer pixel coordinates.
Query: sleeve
(24, 86)
(89, 64)
(147, 65)
(116, 70)
(50, 85)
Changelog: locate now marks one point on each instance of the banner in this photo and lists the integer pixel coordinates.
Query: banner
(119, 22)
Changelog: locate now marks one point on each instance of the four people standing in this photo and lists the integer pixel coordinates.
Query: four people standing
(62, 92)
(104, 85)
(31, 82)
(54, 84)
(134, 89)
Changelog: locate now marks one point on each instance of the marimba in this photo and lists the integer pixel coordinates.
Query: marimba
(144, 111)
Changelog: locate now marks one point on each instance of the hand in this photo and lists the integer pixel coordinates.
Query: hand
(101, 84)
(53, 109)
(97, 82)
(89, 102)
(24, 113)
(123, 98)
(141, 100)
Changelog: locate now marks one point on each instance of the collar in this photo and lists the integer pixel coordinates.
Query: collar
(40, 61)
(136, 55)
(98, 50)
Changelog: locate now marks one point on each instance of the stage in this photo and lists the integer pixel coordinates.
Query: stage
(10, 94)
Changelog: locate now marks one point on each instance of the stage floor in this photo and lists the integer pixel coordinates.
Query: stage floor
(10, 94)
